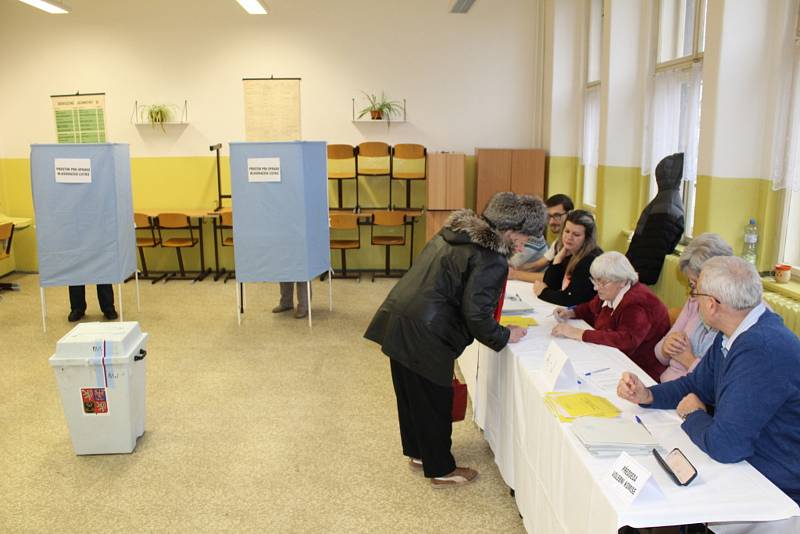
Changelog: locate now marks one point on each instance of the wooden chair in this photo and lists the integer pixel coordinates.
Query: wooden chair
(345, 222)
(143, 222)
(174, 222)
(408, 164)
(374, 159)
(6, 236)
(388, 219)
(343, 165)
(225, 223)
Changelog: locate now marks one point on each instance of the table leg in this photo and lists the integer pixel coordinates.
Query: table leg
(216, 249)
(411, 252)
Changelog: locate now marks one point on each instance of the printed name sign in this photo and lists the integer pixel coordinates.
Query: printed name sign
(264, 169)
(557, 371)
(73, 170)
(628, 478)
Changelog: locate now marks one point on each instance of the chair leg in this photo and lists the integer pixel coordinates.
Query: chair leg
(144, 263)
(344, 262)
(358, 205)
(390, 192)
(180, 262)
(408, 193)
(339, 187)
(388, 259)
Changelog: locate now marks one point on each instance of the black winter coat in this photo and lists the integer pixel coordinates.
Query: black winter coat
(660, 225)
(447, 299)
(580, 288)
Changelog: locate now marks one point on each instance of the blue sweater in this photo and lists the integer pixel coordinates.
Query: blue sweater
(755, 389)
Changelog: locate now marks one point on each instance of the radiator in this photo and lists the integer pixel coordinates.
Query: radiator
(786, 307)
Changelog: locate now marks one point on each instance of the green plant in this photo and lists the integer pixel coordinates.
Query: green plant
(158, 114)
(380, 107)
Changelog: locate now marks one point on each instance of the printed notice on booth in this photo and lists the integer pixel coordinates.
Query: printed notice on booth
(73, 170)
(264, 169)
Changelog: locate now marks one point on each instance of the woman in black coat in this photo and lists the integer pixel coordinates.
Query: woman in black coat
(447, 299)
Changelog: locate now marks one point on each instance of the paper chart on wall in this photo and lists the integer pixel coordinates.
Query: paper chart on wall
(80, 118)
(272, 109)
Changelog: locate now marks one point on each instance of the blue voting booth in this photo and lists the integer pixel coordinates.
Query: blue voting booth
(84, 213)
(280, 211)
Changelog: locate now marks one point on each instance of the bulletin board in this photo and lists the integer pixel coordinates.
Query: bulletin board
(272, 109)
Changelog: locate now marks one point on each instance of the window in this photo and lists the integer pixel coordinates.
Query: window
(591, 102)
(673, 110)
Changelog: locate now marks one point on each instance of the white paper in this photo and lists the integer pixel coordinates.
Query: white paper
(264, 169)
(73, 170)
(557, 372)
(628, 477)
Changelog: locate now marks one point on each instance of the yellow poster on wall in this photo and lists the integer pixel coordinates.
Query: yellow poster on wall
(80, 118)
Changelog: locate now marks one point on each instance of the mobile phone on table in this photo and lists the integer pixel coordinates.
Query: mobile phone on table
(677, 466)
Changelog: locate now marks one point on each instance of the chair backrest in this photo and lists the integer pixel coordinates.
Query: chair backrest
(408, 151)
(6, 234)
(342, 161)
(343, 221)
(226, 218)
(373, 149)
(173, 220)
(341, 152)
(141, 220)
(388, 218)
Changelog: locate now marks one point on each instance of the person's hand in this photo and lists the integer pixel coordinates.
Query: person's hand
(560, 256)
(562, 314)
(538, 287)
(690, 403)
(517, 333)
(686, 357)
(675, 343)
(512, 273)
(565, 330)
(632, 389)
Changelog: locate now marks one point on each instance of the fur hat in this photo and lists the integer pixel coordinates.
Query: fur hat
(521, 213)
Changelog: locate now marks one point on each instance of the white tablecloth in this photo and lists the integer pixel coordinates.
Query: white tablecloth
(559, 486)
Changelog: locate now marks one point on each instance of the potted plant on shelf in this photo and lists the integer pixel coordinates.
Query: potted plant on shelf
(158, 115)
(379, 108)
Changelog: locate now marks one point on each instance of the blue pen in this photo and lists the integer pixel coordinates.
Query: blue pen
(596, 371)
(638, 420)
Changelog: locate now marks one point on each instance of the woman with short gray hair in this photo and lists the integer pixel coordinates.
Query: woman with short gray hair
(690, 338)
(625, 314)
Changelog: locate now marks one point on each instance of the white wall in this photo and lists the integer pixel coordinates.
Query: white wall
(467, 78)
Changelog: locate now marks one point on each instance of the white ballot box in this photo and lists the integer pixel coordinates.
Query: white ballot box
(100, 370)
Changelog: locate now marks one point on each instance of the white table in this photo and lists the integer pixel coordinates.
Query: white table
(559, 486)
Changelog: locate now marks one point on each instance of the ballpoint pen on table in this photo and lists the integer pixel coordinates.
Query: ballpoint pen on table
(596, 371)
(639, 420)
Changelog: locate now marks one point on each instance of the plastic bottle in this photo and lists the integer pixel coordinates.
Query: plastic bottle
(750, 242)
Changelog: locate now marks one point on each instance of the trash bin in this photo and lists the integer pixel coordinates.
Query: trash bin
(100, 370)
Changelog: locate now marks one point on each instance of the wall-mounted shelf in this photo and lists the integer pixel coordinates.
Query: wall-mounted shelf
(387, 121)
(179, 113)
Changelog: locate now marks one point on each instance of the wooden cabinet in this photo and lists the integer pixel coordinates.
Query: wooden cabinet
(446, 181)
(501, 169)
(434, 220)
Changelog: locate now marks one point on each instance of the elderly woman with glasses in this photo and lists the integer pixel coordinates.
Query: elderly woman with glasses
(625, 314)
(690, 338)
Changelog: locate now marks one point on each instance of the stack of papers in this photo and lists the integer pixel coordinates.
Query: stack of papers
(610, 437)
(568, 406)
(516, 320)
(514, 303)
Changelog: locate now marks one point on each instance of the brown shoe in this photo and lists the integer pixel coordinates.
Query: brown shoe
(415, 464)
(299, 314)
(281, 308)
(459, 477)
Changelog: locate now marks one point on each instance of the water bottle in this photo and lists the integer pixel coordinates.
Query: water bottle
(750, 242)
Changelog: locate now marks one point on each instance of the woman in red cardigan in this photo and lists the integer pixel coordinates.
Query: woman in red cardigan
(625, 314)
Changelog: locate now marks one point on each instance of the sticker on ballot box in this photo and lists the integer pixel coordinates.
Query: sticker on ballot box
(628, 478)
(263, 169)
(95, 401)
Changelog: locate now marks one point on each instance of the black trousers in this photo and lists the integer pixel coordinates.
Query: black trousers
(426, 424)
(105, 295)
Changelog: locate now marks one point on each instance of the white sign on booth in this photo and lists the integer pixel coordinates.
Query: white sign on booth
(263, 169)
(73, 170)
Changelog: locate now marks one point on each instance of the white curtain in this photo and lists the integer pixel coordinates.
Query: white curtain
(786, 148)
(673, 121)
(590, 149)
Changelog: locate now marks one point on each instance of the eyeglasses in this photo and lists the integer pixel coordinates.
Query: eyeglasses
(599, 284)
(556, 216)
(693, 293)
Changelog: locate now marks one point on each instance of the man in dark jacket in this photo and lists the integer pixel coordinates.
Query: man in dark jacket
(445, 301)
(660, 225)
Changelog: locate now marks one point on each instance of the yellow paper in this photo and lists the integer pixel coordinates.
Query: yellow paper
(516, 320)
(567, 406)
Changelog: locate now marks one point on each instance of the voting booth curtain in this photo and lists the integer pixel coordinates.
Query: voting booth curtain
(84, 213)
(280, 215)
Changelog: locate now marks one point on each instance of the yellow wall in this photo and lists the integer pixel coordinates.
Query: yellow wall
(618, 205)
(562, 175)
